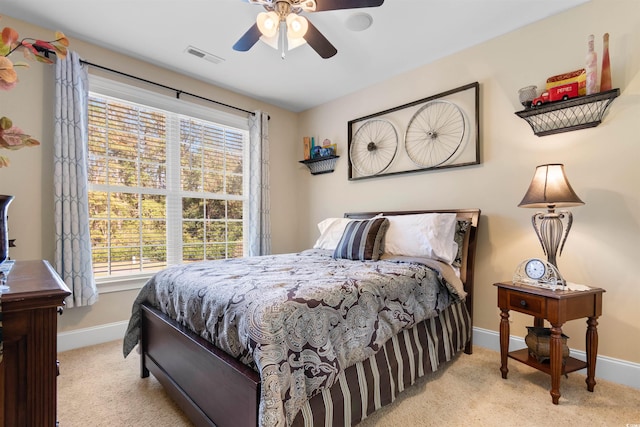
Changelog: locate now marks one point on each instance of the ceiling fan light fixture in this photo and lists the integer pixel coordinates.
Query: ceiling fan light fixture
(294, 42)
(297, 26)
(271, 41)
(268, 23)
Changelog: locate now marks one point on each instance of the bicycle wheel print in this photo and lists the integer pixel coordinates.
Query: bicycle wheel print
(373, 147)
(434, 133)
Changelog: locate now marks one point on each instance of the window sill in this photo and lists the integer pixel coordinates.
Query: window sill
(120, 284)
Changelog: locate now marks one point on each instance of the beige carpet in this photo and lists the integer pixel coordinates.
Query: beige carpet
(97, 387)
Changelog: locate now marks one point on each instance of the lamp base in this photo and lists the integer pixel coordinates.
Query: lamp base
(552, 229)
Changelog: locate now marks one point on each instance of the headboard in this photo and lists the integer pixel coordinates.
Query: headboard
(469, 246)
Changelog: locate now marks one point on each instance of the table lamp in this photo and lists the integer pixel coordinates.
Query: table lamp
(550, 189)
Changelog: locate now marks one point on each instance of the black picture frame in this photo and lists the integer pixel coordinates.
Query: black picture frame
(466, 98)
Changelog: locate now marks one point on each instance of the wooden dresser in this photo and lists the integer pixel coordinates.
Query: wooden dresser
(29, 368)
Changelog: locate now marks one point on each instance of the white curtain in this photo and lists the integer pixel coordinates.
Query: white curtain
(73, 242)
(259, 214)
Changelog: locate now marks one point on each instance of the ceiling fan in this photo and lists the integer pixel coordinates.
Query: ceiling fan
(282, 18)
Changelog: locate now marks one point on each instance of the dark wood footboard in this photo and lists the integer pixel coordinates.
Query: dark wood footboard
(212, 388)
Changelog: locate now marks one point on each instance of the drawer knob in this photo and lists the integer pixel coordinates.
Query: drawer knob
(523, 303)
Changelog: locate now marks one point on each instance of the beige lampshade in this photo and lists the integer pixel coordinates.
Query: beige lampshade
(550, 188)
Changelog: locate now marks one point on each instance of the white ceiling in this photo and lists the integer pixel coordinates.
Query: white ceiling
(405, 35)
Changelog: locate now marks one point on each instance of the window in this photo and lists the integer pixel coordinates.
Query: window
(166, 185)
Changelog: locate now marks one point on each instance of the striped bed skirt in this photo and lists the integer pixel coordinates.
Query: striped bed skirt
(369, 385)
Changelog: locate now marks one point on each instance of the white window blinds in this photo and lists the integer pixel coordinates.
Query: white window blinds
(164, 187)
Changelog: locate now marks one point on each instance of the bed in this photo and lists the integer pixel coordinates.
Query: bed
(246, 379)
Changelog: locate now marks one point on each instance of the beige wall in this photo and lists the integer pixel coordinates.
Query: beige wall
(29, 178)
(601, 163)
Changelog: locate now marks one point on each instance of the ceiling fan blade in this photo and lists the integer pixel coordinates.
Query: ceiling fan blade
(319, 43)
(322, 5)
(248, 39)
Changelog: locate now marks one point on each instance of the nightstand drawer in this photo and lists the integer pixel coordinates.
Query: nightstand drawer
(525, 303)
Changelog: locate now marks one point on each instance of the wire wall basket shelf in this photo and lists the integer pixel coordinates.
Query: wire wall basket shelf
(321, 165)
(564, 116)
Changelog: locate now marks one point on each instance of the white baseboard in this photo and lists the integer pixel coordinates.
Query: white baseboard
(91, 336)
(607, 368)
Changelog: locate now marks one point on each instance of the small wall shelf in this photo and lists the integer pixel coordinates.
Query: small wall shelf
(321, 165)
(564, 116)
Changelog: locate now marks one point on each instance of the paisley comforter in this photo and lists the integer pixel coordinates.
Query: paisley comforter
(297, 319)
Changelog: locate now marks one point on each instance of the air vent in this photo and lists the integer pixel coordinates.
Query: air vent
(203, 55)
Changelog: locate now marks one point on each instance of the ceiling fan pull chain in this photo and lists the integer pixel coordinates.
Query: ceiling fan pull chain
(283, 37)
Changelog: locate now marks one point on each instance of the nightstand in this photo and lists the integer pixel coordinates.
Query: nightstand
(557, 307)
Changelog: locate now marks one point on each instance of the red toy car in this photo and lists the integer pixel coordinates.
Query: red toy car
(557, 93)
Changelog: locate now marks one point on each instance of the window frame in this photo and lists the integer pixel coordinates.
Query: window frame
(102, 86)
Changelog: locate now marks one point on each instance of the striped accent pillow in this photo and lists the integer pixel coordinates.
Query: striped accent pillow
(362, 240)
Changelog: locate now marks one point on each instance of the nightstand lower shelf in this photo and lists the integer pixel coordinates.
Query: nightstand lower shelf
(570, 365)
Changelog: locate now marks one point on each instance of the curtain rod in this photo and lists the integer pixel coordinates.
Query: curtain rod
(177, 91)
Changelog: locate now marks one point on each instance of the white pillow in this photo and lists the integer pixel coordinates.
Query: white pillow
(425, 235)
(331, 231)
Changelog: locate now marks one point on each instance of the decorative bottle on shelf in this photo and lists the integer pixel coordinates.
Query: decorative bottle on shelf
(591, 66)
(605, 82)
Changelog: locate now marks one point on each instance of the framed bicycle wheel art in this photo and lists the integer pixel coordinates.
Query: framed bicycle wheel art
(438, 132)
